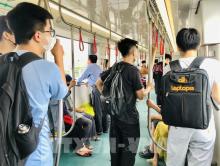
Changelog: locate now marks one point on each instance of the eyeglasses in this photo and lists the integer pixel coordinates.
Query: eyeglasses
(52, 32)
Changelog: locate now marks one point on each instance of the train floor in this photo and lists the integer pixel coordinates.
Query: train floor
(101, 156)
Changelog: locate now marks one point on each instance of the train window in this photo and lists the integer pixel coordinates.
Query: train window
(112, 56)
(80, 56)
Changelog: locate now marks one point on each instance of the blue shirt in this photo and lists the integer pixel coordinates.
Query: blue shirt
(43, 81)
(92, 72)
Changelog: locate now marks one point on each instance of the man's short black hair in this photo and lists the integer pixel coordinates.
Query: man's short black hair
(125, 45)
(143, 61)
(168, 56)
(93, 58)
(188, 39)
(25, 19)
(156, 61)
(3, 26)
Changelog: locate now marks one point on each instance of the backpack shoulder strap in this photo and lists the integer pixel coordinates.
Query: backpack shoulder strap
(215, 106)
(175, 65)
(197, 62)
(26, 58)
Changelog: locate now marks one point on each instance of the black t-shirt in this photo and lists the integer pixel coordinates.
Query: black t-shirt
(131, 79)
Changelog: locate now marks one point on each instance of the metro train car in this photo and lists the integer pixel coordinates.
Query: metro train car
(94, 27)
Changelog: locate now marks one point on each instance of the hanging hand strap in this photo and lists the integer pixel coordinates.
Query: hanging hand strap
(161, 45)
(81, 44)
(94, 46)
(108, 48)
(116, 50)
(157, 39)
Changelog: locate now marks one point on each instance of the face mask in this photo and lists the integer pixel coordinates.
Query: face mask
(12, 42)
(51, 43)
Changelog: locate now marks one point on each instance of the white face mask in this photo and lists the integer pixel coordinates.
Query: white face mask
(51, 42)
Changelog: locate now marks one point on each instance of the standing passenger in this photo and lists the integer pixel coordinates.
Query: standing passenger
(106, 64)
(196, 144)
(43, 79)
(92, 72)
(7, 39)
(125, 131)
(143, 76)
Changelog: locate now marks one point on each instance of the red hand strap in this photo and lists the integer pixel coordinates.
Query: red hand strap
(108, 48)
(81, 45)
(94, 46)
(116, 49)
(161, 45)
(157, 39)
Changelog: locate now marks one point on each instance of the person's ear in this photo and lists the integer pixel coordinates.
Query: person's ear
(199, 46)
(179, 49)
(37, 36)
(5, 35)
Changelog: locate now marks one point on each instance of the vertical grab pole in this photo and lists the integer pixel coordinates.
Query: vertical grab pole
(59, 134)
(73, 75)
(73, 69)
(150, 79)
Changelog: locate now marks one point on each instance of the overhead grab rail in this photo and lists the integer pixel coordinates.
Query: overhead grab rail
(94, 45)
(86, 30)
(81, 44)
(150, 78)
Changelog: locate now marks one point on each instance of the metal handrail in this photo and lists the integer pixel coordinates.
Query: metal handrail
(83, 29)
(60, 112)
(73, 68)
(150, 78)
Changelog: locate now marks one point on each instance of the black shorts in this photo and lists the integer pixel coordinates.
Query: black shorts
(155, 122)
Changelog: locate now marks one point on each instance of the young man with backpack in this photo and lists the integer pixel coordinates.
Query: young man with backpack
(43, 79)
(124, 129)
(7, 39)
(184, 86)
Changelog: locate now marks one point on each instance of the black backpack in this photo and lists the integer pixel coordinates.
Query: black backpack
(186, 96)
(15, 147)
(113, 99)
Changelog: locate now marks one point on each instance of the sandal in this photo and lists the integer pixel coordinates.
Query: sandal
(89, 147)
(84, 155)
(95, 139)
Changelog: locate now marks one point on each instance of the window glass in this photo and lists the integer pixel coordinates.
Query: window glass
(80, 56)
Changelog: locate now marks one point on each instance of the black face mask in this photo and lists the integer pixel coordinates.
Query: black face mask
(12, 42)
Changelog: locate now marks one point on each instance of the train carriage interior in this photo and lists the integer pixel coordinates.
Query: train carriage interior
(97, 25)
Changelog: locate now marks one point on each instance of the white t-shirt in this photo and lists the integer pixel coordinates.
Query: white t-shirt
(211, 66)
